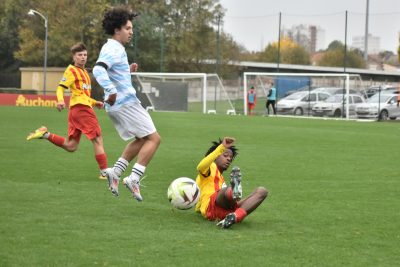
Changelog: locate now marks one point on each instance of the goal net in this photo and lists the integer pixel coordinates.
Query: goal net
(299, 93)
(193, 92)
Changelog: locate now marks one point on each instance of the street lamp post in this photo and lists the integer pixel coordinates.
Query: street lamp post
(366, 34)
(32, 13)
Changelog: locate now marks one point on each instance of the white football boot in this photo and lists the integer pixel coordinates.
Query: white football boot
(113, 181)
(134, 187)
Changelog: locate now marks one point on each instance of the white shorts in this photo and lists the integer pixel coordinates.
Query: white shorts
(132, 121)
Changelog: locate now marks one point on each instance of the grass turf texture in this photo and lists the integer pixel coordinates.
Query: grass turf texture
(334, 195)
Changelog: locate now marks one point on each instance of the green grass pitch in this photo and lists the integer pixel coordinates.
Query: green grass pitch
(334, 195)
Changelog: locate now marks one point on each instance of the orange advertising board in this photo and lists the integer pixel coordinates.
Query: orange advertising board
(22, 100)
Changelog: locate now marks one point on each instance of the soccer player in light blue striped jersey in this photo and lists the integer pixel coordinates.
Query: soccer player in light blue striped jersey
(130, 119)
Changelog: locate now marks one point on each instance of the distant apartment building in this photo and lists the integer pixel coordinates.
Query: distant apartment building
(312, 38)
(319, 41)
(373, 43)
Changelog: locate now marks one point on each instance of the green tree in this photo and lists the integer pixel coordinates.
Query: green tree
(290, 53)
(64, 30)
(191, 38)
(186, 31)
(250, 55)
(334, 57)
(335, 45)
(29, 46)
(179, 36)
(11, 13)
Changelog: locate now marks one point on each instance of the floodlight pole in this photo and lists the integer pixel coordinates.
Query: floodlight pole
(366, 34)
(32, 13)
(345, 43)
(279, 60)
(217, 60)
(279, 42)
(161, 45)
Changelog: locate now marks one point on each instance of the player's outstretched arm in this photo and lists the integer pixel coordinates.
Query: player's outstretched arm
(204, 166)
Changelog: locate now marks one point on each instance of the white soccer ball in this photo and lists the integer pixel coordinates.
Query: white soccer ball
(183, 193)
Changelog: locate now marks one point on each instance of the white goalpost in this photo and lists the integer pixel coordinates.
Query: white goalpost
(227, 105)
(199, 92)
(286, 83)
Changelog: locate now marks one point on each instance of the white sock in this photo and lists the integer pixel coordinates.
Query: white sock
(46, 135)
(120, 166)
(137, 171)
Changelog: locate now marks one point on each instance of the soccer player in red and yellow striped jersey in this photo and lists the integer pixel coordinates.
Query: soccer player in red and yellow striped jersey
(77, 79)
(218, 201)
(81, 117)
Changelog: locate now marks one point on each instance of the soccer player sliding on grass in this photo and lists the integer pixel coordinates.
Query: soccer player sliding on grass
(81, 117)
(218, 201)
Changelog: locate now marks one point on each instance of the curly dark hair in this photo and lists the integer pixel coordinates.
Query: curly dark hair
(116, 17)
(216, 144)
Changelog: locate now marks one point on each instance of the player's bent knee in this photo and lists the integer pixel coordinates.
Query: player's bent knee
(71, 149)
(156, 138)
(262, 192)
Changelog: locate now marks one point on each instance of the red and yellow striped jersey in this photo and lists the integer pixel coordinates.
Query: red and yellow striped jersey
(78, 81)
(209, 184)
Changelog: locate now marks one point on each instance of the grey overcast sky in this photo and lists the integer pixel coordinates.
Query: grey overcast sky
(255, 23)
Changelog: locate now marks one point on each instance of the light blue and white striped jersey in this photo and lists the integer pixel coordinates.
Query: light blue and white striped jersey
(117, 78)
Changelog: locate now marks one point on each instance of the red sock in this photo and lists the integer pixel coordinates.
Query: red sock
(102, 161)
(56, 139)
(240, 214)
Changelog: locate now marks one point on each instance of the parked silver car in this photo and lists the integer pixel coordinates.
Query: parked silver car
(336, 106)
(300, 103)
(341, 90)
(385, 89)
(382, 106)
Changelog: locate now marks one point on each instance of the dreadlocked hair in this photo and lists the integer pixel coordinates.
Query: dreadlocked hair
(216, 144)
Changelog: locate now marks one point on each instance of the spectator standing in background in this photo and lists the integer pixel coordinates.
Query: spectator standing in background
(271, 99)
(251, 100)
